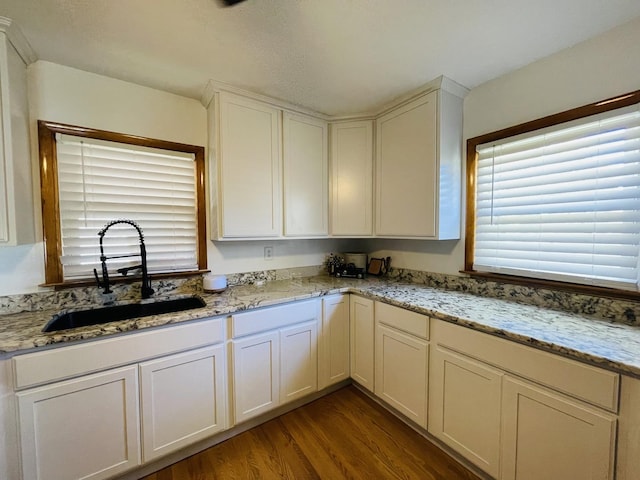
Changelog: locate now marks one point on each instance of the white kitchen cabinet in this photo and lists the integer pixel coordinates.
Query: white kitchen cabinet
(183, 399)
(628, 451)
(82, 428)
(418, 167)
(306, 176)
(401, 360)
(248, 174)
(546, 435)
(352, 179)
(298, 361)
(256, 376)
(334, 341)
(16, 199)
(465, 407)
(362, 341)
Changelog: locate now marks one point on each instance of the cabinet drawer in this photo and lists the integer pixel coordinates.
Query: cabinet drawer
(73, 360)
(274, 317)
(405, 320)
(591, 384)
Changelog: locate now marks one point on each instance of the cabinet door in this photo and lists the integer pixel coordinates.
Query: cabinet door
(362, 341)
(352, 178)
(249, 168)
(81, 428)
(546, 435)
(183, 400)
(306, 176)
(406, 170)
(401, 372)
(334, 341)
(464, 407)
(298, 361)
(256, 379)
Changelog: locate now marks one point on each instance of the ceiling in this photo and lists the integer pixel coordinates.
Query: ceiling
(333, 56)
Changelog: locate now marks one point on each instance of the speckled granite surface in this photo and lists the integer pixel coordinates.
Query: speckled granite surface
(615, 346)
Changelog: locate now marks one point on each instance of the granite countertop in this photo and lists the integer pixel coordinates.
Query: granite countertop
(614, 346)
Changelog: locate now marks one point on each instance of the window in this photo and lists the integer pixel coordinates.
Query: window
(559, 198)
(91, 177)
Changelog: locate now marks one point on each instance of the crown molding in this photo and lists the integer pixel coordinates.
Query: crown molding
(18, 40)
(439, 83)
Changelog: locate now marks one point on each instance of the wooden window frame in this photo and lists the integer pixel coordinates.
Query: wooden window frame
(606, 105)
(50, 195)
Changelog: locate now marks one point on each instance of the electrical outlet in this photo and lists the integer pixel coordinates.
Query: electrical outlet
(268, 253)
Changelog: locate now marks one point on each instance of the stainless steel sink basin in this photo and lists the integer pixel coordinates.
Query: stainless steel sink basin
(96, 316)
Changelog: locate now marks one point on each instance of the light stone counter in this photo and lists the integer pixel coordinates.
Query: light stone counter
(614, 346)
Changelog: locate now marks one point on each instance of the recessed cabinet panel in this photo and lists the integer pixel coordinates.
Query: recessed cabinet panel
(546, 435)
(249, 168)
(183, 399)
(306, 176)
(334, 344)
(256, 376)
(16, 199)
(401, 372)
(406, 170)
(82, 428)
(362, 341)
(298, 361)
(464, 407)
(352, 179)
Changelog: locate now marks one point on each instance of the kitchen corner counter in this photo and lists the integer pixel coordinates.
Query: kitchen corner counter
(614, 346)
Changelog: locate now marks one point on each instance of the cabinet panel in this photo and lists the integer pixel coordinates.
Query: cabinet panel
(406, 188)
(362, 341)
(334, 341)
(401, 372)
(183, 400)
(306, 176)
(298, 361)
(16, 199)
(256, 379)
(249, 168)
(465, 407)
(82, 428)
(352, 178)
(548, 436)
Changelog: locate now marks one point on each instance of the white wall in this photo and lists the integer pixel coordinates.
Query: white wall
(600, 68)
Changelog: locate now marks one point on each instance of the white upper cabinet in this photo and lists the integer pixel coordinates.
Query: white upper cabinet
(248, 168)
(418, 167)
(16, 199)
(352, 179)
(306, 176)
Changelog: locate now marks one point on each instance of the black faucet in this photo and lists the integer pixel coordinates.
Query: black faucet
(146, 289)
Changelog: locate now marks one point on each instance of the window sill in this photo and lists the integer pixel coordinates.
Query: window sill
(90, 282)
(555, 285)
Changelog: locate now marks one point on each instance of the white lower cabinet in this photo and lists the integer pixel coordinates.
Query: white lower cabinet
(82, 428)
(402, 357)
(465, 407)
(298, 361)
(256, 379)
(362, 341)
(333, 364)
(275, 357)
(183, 399)
(546, 435)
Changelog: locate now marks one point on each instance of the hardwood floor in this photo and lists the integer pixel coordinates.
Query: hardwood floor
(344, 435)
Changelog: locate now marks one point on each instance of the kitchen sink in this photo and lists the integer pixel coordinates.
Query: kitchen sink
(113, 313)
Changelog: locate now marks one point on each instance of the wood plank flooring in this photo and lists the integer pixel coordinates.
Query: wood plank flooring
(344, 435)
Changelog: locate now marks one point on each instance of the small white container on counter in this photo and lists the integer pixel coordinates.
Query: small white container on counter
(214, 283)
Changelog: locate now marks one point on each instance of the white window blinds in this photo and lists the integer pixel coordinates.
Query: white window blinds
(563, 203)
(100, 181)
